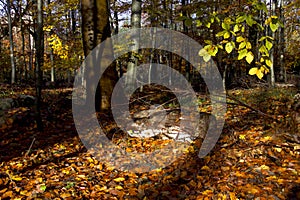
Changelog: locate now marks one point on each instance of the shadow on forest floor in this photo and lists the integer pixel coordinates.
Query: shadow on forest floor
(250, 160)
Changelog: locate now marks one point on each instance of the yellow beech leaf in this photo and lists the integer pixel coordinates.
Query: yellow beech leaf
(253, 71)
(119, 187)
(232, 196)
(278, 149)
(265, 167)
(259, 74)
(268, 62)
(249, 57)
(119, 179)
(91, 160)
(207, 192)
(203, 53)
(16, 178)
(248, 45)
(242, 137)
(229, 47)
(205, 168)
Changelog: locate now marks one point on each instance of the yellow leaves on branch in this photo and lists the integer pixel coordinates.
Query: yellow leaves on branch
(58, 48)
(259, 72)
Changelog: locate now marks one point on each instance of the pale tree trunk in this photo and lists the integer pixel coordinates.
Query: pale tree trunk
(24, 74)
(272, 73)
(132, 64)
(11, 44)
(52, 72)
(39, 62)
(52, 66)
(282, 43)
(152, 69)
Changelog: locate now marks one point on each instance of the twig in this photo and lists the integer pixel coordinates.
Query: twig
(251, 108)
(26, 154)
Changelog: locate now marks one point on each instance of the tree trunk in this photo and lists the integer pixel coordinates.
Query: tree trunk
(30, 48)
(11, 44)
(39, 62)
(282, 43)
(133, 61)
(24, 74)
(95, 29)
(272, 72)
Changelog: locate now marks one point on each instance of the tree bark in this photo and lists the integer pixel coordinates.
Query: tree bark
(39, 63)
(133, 61)
(11, 44)
(95, 29)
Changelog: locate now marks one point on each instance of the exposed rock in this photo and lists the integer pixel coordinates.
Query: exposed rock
(26, 100)
(7, 103)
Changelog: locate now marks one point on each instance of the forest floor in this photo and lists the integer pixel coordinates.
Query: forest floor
(256, 157)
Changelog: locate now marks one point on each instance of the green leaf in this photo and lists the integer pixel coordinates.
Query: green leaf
(198, 23)
(225, 26)
(43, 188)
(212, 50)
(208, 42)
(274, 27)
(262, 38)
(240, 19)
(263, 49)
(208, 25)
(233, 33)
(243, 29)
(229, 47)
(248, 45)
(242, 54)
(269, 44)
(220, 46)
(249, 57)
(181, 18)
(221, 33)
(253, 71)
(227, 20)
(250, 21)
(236, 28)
(242, 45)
(240, 39)
(226, 35)
(205, 55)
(261, 6)
(261, 27)
(188, 22)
